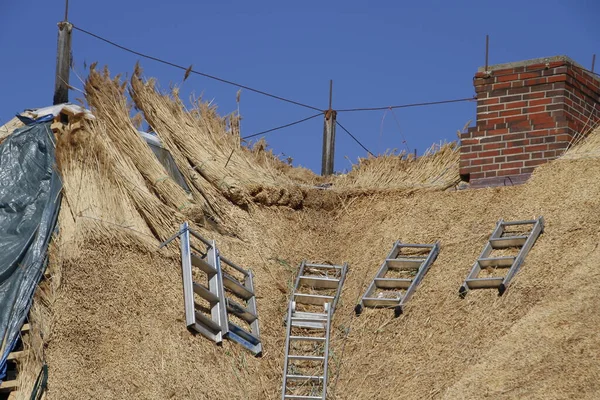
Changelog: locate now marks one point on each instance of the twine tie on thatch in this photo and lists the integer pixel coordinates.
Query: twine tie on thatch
(161, 179)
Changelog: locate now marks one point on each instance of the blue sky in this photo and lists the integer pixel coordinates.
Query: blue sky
(378, 54)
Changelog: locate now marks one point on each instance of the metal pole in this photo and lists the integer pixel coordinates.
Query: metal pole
(487, 52)
(593, 62)
(63, 63)
(329, 136)
(63, 60)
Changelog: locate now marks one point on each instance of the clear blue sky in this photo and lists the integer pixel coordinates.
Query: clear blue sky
(377, 53)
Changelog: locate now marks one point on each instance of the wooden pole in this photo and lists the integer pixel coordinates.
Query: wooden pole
(329, 137)
(593, 62)
(63, 60)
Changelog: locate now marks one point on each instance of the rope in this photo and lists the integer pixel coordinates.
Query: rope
(355, 139)
(282, 126)
(188, 70)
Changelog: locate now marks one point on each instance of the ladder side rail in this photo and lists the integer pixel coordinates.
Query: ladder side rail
(186, 272)
(380, 274)
(421, 273)
(195, 234)
(487, 249)
(219, 310)
(300, 273)
(531, 239)
(287, 348)
(234, 266)
(326, 355)
(251, 303)
(340, 284)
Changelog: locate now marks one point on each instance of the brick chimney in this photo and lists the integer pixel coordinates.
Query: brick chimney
(527, 114)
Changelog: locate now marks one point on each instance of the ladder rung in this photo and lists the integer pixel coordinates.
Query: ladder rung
(244, 334)
(8, 386)
(392, 283)
(308, 319)
(484, 283)
(309, 358)
(496, 262)
(416, 246)
(319, 282)
(203, 292)
(306, 314)
(236, 287)
(301, 397)
(509, 241)
(381, 302)
(325, 266)
(308, 338)
(305, 378)
(202, 264)
(204, 320)
(312, 299)
(240, 311)
(524, 222)
(404, 264)
(16, 355)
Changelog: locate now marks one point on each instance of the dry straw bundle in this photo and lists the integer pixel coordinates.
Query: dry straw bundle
(436, 169)
(200, 136)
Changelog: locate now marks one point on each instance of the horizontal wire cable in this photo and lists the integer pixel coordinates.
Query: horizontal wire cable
(282, 126)
(194, 71)
(430, 103)
(354, 137)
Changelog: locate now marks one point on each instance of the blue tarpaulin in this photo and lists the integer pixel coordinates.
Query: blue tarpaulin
(30, 197)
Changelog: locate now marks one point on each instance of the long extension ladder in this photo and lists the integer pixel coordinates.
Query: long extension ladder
(229, 291)
(314, 278)
(307, 351)
(499, 241)
(307, 338)
(412, 268)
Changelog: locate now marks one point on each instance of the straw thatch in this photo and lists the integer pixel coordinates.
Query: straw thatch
(117, 325)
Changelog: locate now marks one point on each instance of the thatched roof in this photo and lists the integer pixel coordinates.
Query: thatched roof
(112, 317)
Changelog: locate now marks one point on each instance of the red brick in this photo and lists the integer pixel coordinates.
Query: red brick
(491, 153)
(544, 125)
(470, 170)
(513, 136)
(482, 161)
(493, 100)
(551, 153)
(466, 142)
(517, 157)
(557, 78)
(530, 110)
(535, 81)
(538, 147)
(499, 159)
(563, 137)
(527, 75)
(534, 95)
(492, 146)
(490, 167)
(477, 175)
(508, 78)
(505, 172)
(533, 163)
(540, 102)
(490, 174)
(464, 163)
(517, 143)
(466, 156)
(496, 107)
(504, 85)
(508, 113)
(515, 164)
(487, 115)
(554, 146)
(513, 150)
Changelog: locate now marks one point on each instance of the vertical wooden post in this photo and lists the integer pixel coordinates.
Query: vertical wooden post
(593, 62)
(329, 137)
(63, 60)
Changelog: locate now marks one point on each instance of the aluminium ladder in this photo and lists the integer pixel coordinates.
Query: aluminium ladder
(498, 241)
(315, 278)
(306, 355)
(412, 269)
(229, 291)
